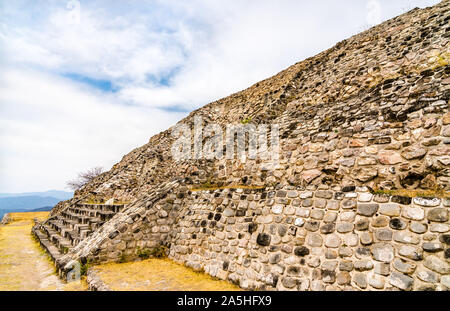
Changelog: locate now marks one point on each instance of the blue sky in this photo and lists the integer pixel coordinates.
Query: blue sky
(84, 82)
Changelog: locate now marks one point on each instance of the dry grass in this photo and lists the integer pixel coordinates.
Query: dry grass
(412, 193)
(28, 217)
(158, 275)
(23, 263)
(215, 187)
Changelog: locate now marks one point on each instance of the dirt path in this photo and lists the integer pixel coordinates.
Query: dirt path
(23, 264)
(158, 275)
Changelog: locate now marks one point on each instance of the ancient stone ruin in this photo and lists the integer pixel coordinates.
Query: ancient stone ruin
(359, 199)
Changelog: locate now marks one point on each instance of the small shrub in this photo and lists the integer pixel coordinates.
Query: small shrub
(143, 253)
(84, 268)
(123, 258)
(246, 120)
(156, 252)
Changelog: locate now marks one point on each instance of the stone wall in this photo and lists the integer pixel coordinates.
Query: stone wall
(316, 240)
(289, 239)
(5, 219)
(141, 226)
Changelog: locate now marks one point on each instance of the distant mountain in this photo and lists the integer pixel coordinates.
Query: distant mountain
(6, 211)
(26, 202)
(61, 195)
(31, 201)
(42, 209)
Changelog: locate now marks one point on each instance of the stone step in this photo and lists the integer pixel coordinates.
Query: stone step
(64, 231)
(76, 216)
(56, 239)
(103, 207)
(69, 222)
(51, 249)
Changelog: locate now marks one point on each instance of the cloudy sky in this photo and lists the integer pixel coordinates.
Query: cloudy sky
(82, 83)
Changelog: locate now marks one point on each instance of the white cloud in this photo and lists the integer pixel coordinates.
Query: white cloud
(51, 127)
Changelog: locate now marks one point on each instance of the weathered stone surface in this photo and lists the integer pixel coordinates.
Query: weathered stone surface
(382, 268)
(317, 214)
(390, 209)
(263, 239)
(380, 221)
(384, 234)
(314, 240)
(389, 157)
(299, 222)
(330, 217)
(404, 266)
(410, 252)
(414, 213)
(310, 175)
(401, 281)
(365, 174)
(439, 227)
(346, 265)
(382, 252)
(381, 198)
(432, 247)
(228, 212)
(397, 224)
(277, 209)
(367, 209)
(345, 251)
(324, 194)
(434, 263)
(428, 276)
(438, 214)
(312, 225)
(360, 280)
(375, 281)
(348, 204)
(418, 227)
(427, 202)
(401, 199)
(363, 265)
(289, 282)
(333, 241)
(445, 280)
(327, 228)
(301, 251)
(343, 278)
(415, 152)
(330, 265)
(406, 237)
(445, 238)
(366, 238)
(344, 227)
(365, 197)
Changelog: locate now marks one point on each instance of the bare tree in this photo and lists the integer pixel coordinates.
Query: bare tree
(84, 178)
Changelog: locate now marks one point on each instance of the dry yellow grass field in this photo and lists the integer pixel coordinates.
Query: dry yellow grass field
(25, 266)
(23, 263)
(158, 275)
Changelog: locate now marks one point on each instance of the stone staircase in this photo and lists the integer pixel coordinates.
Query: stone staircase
(64, 231)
